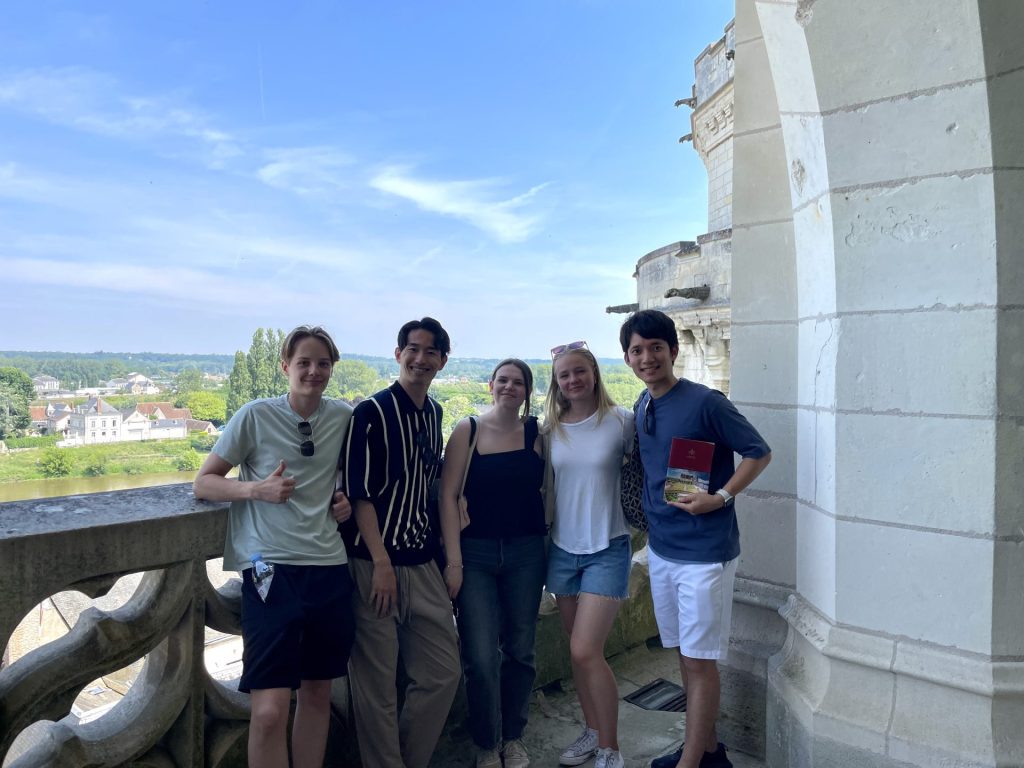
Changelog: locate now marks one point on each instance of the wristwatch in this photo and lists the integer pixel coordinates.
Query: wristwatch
(726, 496)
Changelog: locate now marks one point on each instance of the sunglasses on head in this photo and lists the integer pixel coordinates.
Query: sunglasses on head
(561, 349)
(306, 448)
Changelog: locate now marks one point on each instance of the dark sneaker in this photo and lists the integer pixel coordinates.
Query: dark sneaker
(716, 759)
(668, 761)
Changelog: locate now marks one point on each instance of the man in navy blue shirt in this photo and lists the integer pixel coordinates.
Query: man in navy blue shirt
(694, 542)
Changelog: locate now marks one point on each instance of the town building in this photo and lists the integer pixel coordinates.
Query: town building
(95, 421)
(44, 384)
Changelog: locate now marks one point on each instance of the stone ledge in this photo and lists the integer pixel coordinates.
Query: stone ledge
(970, 672)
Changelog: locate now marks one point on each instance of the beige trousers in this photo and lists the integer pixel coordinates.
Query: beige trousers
(420, 629)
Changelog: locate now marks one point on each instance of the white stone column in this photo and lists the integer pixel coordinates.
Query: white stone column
(763, 362)
(901, 128)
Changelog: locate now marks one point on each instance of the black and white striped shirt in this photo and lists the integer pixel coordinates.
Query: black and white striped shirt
(391, 458)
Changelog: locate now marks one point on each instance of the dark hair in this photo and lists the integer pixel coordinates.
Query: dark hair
(527, 378)
(649, 324)
(441, 341)
(291, 341)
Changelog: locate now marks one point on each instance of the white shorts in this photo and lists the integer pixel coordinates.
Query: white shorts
(693, 605)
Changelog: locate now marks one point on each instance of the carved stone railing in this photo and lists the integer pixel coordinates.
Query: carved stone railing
(175, 713)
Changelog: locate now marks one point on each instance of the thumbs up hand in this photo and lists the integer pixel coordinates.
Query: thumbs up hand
(276, 488)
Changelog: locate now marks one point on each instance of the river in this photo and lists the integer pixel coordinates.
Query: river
(70, 486)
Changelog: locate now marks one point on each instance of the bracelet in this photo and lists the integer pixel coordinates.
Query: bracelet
(454, 565)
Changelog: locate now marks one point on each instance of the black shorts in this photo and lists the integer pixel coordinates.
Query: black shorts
(304, 630)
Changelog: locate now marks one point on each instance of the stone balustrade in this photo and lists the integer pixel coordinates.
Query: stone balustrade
(175, 713)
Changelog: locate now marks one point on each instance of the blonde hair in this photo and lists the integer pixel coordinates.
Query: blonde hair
(556, 405)
(291, 341)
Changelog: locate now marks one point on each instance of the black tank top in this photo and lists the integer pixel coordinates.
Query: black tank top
(503, 491)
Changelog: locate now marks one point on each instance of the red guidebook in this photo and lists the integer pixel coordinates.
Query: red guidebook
(689, 468)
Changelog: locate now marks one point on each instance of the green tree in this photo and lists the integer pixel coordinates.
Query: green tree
(16, 394)
(202, 441)
(187, 381)
(207, 406)
(190, 461)
(623, 386)
(332, 390)
(355, 378)
(278, 381)
(260, 366)
(541, 377)
(239, 385)
(56, 462)
(455, 410)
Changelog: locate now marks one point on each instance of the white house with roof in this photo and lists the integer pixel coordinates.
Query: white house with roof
(95, 421)
(165, 429)
(138, 384)
(44, 383)
(155, 421)
(57, 417)
(134, 425)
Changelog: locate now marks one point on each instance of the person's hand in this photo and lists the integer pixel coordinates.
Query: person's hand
(699, 503)
(383, 588)
(276, 488)
(341, 509)
(453, 578)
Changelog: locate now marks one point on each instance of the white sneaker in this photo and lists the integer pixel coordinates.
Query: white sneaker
(580, 750)
(609, 758)
(515, 754)
(488, 758)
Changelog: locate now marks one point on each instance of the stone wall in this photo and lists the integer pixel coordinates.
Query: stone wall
(876, 335)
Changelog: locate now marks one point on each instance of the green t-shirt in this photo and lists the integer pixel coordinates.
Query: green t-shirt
(300, 531)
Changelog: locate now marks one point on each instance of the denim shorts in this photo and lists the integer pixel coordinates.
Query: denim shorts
(604, 573)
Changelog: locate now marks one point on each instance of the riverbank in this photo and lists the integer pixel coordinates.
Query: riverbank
(26, 490)
(107, 459)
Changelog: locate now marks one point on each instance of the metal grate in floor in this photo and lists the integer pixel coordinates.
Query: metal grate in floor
(659, 695)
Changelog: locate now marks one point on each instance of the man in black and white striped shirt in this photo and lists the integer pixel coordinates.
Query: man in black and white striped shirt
(401, 606)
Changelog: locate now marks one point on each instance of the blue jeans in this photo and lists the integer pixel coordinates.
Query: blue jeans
(501, 589)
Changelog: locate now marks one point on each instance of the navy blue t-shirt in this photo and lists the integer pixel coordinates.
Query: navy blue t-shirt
(696, 412)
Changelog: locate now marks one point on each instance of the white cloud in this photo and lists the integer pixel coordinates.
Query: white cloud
(94, 102)
(188, 286)
(471, 201)
(307, 170)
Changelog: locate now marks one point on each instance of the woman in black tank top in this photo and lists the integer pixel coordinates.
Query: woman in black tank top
(492, 518)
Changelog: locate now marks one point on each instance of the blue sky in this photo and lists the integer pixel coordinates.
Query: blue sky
(173, 177)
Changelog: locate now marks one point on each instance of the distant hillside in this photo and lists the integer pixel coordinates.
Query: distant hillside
(91, 369)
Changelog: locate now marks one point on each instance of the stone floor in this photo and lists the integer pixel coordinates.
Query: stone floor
(555, 720)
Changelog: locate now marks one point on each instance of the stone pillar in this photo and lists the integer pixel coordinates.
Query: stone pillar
(763, 351)
(895, 355)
